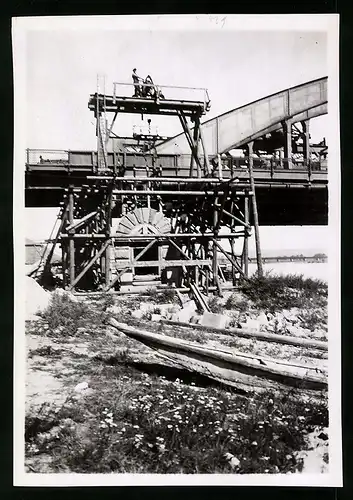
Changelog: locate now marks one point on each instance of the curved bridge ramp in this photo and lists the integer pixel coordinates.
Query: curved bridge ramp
(242, 125)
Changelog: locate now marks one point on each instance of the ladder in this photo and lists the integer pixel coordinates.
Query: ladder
(102, 127)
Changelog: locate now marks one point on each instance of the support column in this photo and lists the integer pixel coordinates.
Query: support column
(71, 241)
(260, 270)
(108, 230)
(215, 256)
(306, 142)
(287, 129)
(63, 262)
(246, 238)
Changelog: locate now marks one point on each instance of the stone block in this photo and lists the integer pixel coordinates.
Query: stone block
(253, 324)
(214, 320)
(156, 317)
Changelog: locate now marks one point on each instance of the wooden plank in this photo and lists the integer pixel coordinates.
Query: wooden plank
(249, 334)
(163, 263)
(234, 369)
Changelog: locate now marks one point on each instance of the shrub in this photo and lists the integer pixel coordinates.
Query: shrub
(65, 314)
(275, 292)
(167, 296)
(215, 305)
(235, 302)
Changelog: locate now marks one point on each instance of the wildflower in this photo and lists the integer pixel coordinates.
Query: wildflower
(270, 401)
(254, 443)
(169, 426)
(233, 461)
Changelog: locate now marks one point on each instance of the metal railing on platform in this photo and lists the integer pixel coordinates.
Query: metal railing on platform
(168, 165)
(169, 92)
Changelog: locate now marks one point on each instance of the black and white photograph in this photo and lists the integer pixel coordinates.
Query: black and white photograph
(177, 255)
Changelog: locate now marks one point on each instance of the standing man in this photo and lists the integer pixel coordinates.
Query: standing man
(136, 80)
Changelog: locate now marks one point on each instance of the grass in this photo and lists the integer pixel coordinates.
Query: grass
(276, 292)
(133, 422)
(149, 424)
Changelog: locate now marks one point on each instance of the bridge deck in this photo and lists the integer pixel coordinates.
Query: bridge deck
(138, 105)
(52, 164)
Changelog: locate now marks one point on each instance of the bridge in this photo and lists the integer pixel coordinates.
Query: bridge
(291, 188)
(247, 123)
(174, 201)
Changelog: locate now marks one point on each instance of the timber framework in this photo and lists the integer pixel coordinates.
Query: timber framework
(140, 217)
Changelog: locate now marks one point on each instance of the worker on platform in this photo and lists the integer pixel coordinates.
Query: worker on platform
(136, 81)
(149, 89)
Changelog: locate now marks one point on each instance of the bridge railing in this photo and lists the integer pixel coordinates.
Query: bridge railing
(174, 165)
(47, 156)
(169, 92)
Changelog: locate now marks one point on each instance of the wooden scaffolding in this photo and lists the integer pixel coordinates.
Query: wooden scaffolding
(134, 217)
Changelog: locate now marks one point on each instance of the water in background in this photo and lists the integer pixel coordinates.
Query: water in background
(318, 270)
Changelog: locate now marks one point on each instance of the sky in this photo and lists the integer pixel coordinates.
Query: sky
(236, 66)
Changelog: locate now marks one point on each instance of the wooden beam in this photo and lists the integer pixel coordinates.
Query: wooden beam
(150, 244)
(232, 367)
(160, 237)
(81, 222)
(89, 265)
(261, 336)
(164, 263)
(241, 222)
(207, 161)
(246, 239)
(255, 213)
(71, 242)
(116, 279)
(190, 140)
(232, 261)
(62, 223)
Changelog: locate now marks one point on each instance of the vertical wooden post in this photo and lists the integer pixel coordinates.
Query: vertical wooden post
(255, 213)
(107, 272)
(231, 241)
(215, 255)
(63, 261)
(246, 238)
(71, 241)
